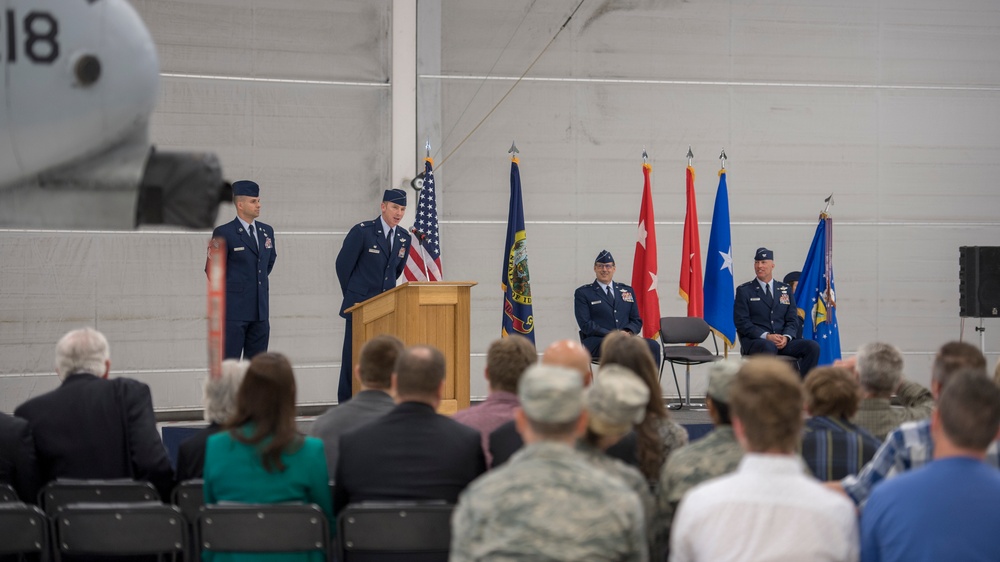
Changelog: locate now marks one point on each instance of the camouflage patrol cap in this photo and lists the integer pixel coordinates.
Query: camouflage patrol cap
(616, 401)
(551, 394)
(720, 378)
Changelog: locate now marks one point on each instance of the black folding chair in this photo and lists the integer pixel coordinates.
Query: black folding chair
(676, 332)
(121, 529)
(263, 528)
(62, 492)
(8, 494)
(189, 496)
(24, 530)
(395, 531)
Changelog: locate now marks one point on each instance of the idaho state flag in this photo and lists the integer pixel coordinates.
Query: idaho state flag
(691, 255)
(815, 296)
(517, 315)
(644, 265)
(719, 286)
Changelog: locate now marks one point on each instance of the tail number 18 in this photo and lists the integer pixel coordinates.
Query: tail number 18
(39, 31)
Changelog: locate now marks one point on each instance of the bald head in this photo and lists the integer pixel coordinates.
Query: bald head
(570, 354)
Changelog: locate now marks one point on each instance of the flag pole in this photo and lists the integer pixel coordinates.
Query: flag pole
(690, 156)
(424, 254)
(722, 157)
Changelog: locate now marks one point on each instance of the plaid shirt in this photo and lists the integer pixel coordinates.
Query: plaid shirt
(834, 447)
(907, 447)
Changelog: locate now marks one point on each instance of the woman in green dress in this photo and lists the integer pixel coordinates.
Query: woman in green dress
(262, 458)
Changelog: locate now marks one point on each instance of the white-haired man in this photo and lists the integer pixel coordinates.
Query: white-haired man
(92, 427)
(220, 403)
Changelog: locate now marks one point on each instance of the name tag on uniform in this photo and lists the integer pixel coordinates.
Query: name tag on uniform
(754, 298)
(595, 302)
(373, 250)
(240, 249)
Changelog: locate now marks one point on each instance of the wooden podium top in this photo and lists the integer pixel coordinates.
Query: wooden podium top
(416, 284)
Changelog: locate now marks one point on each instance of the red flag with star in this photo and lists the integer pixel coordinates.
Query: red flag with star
(691, 288)
(644, 265)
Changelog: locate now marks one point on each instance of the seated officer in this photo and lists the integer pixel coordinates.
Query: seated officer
(604, 306)
(766, 317)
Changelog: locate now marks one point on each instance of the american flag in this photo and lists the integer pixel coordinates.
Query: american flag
(426, 247)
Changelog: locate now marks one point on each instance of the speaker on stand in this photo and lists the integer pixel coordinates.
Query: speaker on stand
(979, 285)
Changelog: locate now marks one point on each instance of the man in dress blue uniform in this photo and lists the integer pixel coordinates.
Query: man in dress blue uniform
(766, 317)
(372, 258)
(250, 255)
(604, 306)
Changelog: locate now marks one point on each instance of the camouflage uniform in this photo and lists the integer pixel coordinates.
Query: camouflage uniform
(715, 454)
(630, 475)
(548, 503)
(674, 436)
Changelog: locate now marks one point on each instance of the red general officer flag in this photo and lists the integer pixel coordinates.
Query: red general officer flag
(691, 285)
(644, 265)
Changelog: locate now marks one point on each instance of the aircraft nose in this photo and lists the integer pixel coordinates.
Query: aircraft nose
(87, 79)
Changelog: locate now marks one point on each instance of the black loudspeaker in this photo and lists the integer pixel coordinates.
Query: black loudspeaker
(979, 282)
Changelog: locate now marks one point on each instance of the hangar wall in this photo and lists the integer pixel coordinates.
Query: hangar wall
(890, 105)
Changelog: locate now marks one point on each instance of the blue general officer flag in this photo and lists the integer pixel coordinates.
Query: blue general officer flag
(815, 296)
(515, 282)
(719, 287)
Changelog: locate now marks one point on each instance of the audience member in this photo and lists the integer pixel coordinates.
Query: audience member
(548, 502)
(504, 441)
(832, 446)
(506, 360)
(17, 458)
(947, 509)
(411, 453)
(374, 373)
(880, 372)
(770, 508)
(92, 427)
(605, 307)
(614, 403)
(262, 458)
(713, 455)
(220, 403)
(572, 355)
(658, 436)
(910, 445)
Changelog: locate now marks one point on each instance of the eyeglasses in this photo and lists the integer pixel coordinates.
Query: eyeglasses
(604, 266)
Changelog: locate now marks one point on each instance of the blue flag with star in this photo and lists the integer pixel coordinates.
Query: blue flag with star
(816, 297)
(719, 288)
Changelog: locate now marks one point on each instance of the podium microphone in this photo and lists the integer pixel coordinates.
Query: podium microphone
(420, 235)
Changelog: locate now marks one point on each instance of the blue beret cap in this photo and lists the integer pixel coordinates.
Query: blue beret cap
(605, 257)
(763, 254)
(397, 196)
(246, 187)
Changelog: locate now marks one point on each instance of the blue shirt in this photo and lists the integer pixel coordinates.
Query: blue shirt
(835, 447)
(946, 510)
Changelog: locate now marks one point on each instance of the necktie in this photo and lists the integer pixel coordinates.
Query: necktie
(388, 238)
(767, 289)
(610, 296)
(253, 234)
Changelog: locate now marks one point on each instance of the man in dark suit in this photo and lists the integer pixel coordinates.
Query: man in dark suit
(372, 258)
(604, 306)
(17, 457)
(250, 255)
(766, 317)
(92, 427)
(374, 372)
(411, 453)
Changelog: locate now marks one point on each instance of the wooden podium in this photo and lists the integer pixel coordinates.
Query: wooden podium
(433, 313)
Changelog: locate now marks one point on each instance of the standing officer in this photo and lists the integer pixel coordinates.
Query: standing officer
(766, 317)
(605, 306)
(250, 255)
(372, 258)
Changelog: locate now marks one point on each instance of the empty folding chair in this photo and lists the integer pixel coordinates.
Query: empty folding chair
(681, 337)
